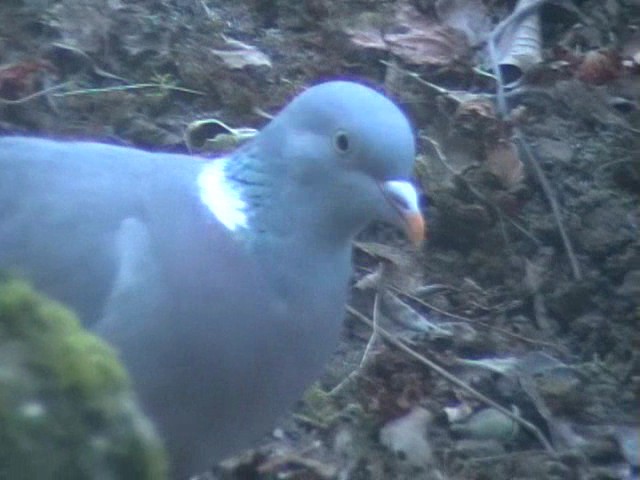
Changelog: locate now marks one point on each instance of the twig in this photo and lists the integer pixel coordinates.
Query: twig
(454, 94)
(458, 175)
(207, 10)
(493, 458)
(416, 77)
(521, 229)
(612, 163)
(121, 88)
(475, 322)
(366, 355)
(33, 96)
(517, 16)
(440, 154)
(374, 334)
(555, 208)
(456, 381)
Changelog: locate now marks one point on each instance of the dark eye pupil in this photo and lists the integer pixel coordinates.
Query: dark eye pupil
(342, 142)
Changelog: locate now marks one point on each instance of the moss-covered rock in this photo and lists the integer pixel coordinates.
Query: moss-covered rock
(66, 405)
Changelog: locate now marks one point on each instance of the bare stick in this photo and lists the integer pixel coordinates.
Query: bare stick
(476, 322)
(456, 381)
(374, 333)
(517, 16)
(366, 355)
(40, 93)
(443, 159)
(555, 208)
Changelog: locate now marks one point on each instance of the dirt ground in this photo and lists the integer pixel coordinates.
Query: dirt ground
(527, 290)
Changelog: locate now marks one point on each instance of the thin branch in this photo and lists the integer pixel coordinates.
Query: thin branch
(458, 175)
(555, 207)
(374, 333)
(366, 355)
(517, 16)
(121, 88)
(456, 381)
(33, 96)
(475, 322)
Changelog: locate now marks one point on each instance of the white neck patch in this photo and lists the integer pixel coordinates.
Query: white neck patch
(221, 197)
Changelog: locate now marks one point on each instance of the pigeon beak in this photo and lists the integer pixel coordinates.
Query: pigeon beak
(404, 199)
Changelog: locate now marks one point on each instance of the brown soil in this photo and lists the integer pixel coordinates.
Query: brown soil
(497, 278)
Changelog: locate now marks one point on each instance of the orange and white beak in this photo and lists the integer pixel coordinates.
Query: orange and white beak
(404, 199)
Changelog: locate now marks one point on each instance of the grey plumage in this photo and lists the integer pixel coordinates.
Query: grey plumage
(221, 330)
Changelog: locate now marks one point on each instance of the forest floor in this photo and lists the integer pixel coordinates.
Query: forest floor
(509, 345)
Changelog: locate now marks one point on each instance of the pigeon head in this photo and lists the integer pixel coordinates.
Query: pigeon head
(338, 156)
(354, 125)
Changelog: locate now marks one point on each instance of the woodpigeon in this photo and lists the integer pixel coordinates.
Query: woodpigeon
(221, 283)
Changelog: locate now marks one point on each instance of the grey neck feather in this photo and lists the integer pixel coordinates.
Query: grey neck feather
(283, 233)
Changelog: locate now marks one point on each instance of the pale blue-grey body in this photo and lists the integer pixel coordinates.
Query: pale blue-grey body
(221, 324)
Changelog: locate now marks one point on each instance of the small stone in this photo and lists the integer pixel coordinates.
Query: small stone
(407, 437)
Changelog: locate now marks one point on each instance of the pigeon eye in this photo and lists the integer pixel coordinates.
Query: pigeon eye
(341, 142)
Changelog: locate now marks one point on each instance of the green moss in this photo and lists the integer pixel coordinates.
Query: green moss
(319, 406)
(66, 406)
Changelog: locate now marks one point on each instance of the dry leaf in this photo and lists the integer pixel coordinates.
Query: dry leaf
(504, 162)
(415, 38)
(370, 281)
(425, 42)
(401, 313)
(241, 55)
(476, 120)
(520, 48)
(599, 67)
(469, 16)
